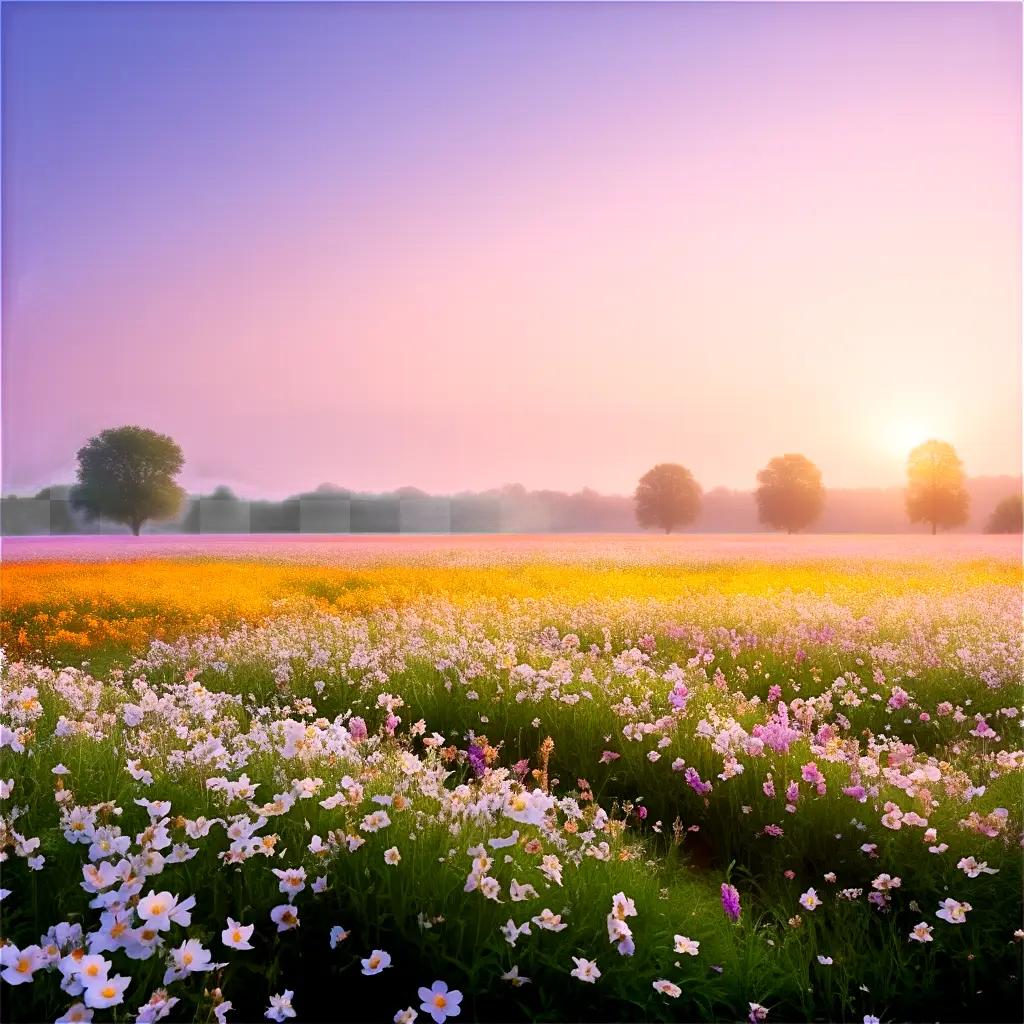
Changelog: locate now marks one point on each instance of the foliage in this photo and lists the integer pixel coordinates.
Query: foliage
(1008, 516)
(790, 495)
(935, 486)
(667, 497)
(126, 474)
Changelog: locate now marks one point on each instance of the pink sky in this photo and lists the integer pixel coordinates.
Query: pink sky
(459, 246)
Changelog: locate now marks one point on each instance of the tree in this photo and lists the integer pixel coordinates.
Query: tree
(127, 475)
(935, 486)
(1008, 516)
(790, 494)
(667, 496)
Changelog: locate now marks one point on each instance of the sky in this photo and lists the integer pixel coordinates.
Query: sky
(455, 246)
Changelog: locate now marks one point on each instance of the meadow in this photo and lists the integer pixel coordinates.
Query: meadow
(594, 778)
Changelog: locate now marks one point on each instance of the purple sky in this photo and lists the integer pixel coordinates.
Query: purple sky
(459, 245)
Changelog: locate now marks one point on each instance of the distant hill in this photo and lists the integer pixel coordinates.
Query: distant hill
(509, 509)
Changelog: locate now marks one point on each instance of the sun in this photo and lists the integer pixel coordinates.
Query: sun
(901, 436)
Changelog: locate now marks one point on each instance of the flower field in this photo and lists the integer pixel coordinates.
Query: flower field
(585, 779)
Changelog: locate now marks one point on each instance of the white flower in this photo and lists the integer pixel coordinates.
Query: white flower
(236, 935)
(953, 911)
(585, 970)
(514, 978)
(20, 964)
(76, 1013)
(518, 892)
(667, 988)
(549, 921)
(109, 992)
(285, 917)
(972, 868)
(392, 856)
(292, 881)
(512, 931)
(280, 1007)
(809, 900)
(440, 1002)
(686, 945)
(376, 962)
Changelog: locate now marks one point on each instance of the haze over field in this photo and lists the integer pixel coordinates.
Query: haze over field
(454, 246)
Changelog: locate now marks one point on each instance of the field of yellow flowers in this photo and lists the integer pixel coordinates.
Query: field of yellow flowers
(511, 779)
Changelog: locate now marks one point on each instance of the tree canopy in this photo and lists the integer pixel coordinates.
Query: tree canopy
(126, 474)
(1008, 516)
(668, 497)
(790, 494)
(935, 486)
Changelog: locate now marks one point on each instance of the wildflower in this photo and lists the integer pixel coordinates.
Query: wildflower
(440, 1002)
(953, 911)
(514, 978)
(108, 992)
(885, 882)
(512, 931)
(236, 935)
(292, 881)
(549, 921)
(285, 917)
(686, 945)
(972, 868)
(519, 892)
(158, 1006)
(500, 843)
(585, 970)
(337, 936)
(93, 968)
(392, 856)
(280, 1007)
(76, 1013)
(20, 964)
(730, 901)
(406, 1016)
(187, 959)
(921, 932)
(156, 908)
(809, 900)
(376, 962)
(667, 988)
(825, 961)
(757, 1013)
(375, 822)
(490, 888)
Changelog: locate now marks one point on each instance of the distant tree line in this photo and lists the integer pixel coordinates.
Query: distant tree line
(790, 494)
(127, 476)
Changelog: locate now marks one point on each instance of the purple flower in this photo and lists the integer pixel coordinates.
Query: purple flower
(678, 697)
(693, 780)
(357, 729)
(730, 901)
(477, 761)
